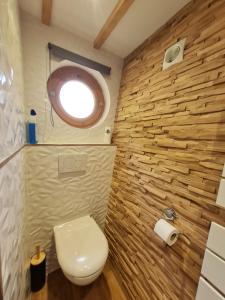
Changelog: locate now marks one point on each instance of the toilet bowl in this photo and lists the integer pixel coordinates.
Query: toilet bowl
(82, 250)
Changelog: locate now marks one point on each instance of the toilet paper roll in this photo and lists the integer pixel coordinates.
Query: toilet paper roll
(166, 232)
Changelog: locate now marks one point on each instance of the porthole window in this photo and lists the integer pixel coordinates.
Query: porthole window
(76, 96)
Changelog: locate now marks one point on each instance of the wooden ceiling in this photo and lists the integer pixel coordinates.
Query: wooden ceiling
(117, 14)
(117, 26)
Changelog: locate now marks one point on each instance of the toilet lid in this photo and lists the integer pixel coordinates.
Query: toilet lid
(82, 248)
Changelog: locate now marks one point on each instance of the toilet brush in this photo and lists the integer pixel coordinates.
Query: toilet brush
(38, 270)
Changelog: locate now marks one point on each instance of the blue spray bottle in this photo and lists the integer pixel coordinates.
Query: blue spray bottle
(32, 128)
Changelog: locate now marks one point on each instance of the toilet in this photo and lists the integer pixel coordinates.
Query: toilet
(82, 250)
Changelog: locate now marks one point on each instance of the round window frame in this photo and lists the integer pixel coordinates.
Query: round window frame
(69, 73)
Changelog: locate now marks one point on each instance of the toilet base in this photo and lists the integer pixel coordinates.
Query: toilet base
(82, 281)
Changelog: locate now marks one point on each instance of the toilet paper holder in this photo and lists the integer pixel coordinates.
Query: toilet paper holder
(169, 213)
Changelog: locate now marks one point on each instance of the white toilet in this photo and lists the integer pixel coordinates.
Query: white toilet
(82, 250)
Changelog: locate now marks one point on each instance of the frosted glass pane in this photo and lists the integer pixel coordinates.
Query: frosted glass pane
(77, 99)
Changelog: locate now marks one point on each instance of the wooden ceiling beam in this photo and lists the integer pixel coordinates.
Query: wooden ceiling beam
(118, 12)
(46, 12)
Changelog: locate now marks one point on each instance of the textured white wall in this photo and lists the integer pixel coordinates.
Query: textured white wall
(52, 200)
(11, 83)
(12, 228)
(12, 206)
(35, 38)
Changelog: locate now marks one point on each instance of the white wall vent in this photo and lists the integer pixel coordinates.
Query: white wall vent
(174, 54)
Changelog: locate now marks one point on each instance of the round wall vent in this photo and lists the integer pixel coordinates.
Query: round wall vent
(172, 54)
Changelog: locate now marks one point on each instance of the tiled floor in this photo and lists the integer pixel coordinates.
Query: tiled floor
(106, 287)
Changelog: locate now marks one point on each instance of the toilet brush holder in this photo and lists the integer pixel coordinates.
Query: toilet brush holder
(38, 270)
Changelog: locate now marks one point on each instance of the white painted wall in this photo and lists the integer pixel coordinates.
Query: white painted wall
(35, 37)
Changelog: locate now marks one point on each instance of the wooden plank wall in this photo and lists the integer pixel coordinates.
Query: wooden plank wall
(170, 134)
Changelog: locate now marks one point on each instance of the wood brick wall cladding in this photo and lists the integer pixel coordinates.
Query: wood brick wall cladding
(170, 134)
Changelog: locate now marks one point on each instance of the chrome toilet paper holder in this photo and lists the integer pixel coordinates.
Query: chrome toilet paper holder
(169, 213)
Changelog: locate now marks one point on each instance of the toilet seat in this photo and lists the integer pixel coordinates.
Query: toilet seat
(81, 246)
